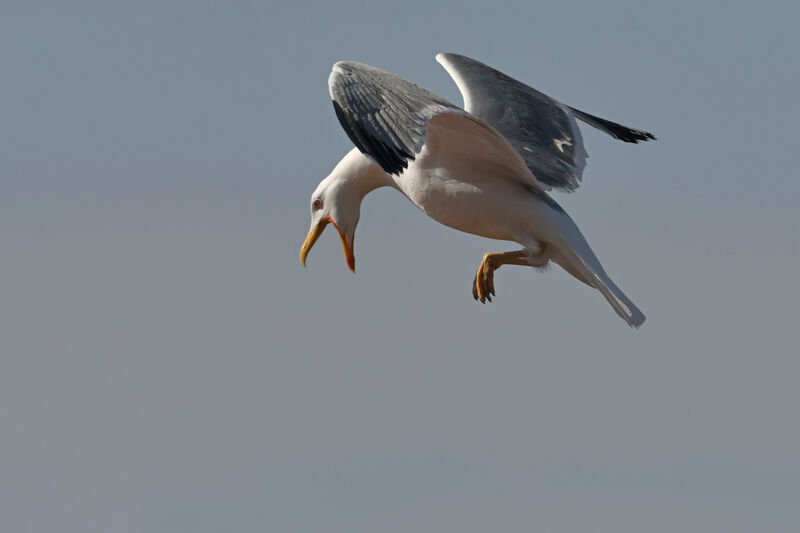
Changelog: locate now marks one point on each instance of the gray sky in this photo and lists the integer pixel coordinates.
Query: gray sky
(167, 364)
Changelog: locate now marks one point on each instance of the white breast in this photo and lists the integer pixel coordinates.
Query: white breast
(469, 178)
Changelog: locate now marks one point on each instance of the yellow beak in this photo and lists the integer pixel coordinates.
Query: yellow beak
(314, 234)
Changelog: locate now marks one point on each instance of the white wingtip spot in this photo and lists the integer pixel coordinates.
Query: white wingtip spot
(560, 144)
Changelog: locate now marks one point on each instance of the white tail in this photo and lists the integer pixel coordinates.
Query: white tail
(621, 303)
(577, 258)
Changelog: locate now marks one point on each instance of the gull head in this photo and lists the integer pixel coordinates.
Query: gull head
(337, 201)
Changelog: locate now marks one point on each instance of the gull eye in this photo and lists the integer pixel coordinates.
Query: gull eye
(316, 204)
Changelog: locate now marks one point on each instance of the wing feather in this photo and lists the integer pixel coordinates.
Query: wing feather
(618, 131)
(384, 115)
(541, 129)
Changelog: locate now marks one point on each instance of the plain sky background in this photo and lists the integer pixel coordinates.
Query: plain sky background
(167, 365)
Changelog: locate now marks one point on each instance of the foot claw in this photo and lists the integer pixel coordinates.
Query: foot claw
(483, 284)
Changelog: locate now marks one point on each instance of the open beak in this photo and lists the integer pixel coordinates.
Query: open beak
(314, 234)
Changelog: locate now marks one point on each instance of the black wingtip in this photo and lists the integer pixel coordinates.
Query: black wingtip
(623, 133)
(392, 161)
(618, 131)
(634, 136)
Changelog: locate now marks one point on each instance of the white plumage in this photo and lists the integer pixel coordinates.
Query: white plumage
(483, 169)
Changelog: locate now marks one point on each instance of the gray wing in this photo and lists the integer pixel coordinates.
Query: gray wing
(542, 130)
(384, 115)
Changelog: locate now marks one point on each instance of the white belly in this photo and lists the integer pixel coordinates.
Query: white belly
(469, 178)
(474, 207)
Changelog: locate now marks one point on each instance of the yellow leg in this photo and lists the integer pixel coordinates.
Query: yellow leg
(483, 285)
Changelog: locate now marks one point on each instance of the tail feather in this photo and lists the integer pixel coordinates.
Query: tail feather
(577, 258)
(625, 308)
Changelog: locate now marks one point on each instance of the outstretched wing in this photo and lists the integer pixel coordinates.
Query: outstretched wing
(542, 130)
(384, 115)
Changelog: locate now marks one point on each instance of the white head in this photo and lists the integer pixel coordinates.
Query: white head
(337, 201)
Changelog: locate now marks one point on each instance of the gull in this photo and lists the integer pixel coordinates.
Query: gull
(484, 168)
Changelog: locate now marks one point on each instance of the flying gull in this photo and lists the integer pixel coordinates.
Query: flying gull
(483, 169)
